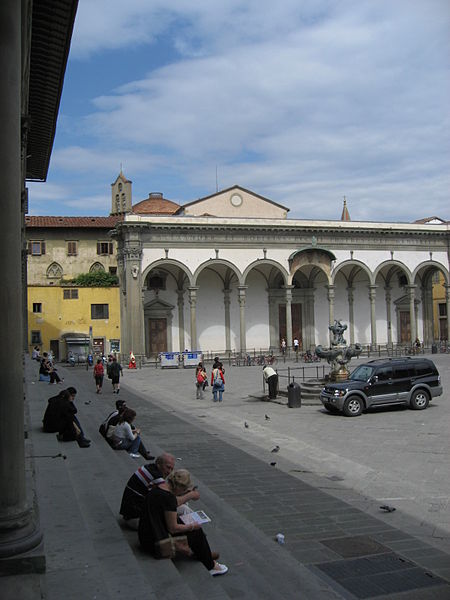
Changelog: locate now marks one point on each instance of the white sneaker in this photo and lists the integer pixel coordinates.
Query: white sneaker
(218, 569)
(135, 455)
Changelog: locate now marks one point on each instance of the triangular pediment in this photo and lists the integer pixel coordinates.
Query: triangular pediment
(158, 304)
(235, 202)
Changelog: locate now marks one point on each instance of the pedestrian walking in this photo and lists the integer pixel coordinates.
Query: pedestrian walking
(217, 382)
(115, 371)
(200, 380)
(99, 373)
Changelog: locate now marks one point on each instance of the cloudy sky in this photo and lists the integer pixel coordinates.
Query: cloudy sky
(302, 101)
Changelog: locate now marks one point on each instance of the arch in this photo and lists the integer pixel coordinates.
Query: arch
(330, 255)
(54, 271)
(352, 263)
(269, 262)
(311, 276)
(392, 263)
(431, 264)
(97, 267)
(210, 263)
(164, 262)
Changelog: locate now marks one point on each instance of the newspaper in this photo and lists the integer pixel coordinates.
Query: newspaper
(195, 517)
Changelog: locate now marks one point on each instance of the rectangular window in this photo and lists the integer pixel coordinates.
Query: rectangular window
(442, 310)
(36, 337)
(72, 248)
(37, 307)
(99, 311)
(113, 270)
(104, 247)
(70, 294)
(36, 248)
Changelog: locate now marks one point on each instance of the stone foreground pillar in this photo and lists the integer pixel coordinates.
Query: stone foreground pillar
(18, 531)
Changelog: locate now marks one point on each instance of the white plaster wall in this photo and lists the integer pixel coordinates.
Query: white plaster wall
(241, 257)
(257, 312)
(372, 258)
(210, 312)
(361, 309)
(341, 303)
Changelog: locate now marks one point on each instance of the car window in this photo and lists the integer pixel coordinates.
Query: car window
(423, 369)
(384, 373)
(362, 373)
(404, 371)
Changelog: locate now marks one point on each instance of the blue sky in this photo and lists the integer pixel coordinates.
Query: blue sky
(302, 101)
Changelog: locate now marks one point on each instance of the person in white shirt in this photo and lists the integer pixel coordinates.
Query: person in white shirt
(270, 375)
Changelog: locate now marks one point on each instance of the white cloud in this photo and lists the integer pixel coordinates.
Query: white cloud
(301, 101)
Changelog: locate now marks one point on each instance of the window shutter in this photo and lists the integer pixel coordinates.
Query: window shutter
(29, 250)
(110, 247)
(42, 247)
(99, 248)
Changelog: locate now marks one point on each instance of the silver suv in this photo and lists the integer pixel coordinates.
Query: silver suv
(410, 381)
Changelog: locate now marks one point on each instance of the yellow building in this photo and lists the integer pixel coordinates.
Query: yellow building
(63, 317)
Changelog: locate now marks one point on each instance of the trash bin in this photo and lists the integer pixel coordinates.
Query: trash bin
(294, 395)
(433, 348)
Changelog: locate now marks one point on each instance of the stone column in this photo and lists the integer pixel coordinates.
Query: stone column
(388, 298)
(241, 298)
(373, 316)
(411, 289)
(181, 339)
(330, 296)
(18, 530)
(288, 296)
(193, 304)
(227, 304)
(132, 255)
(351, 319)
(447, 301)
(274, 331)
(310, 339)
(427, 314)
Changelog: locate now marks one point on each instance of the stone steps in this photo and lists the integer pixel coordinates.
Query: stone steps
(91, 554)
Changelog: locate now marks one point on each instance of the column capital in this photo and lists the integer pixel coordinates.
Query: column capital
(330, 292)
(372, 292)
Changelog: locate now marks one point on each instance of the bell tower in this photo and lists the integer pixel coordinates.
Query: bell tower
(121, 195)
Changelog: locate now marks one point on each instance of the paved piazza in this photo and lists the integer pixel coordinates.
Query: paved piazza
(392, 456)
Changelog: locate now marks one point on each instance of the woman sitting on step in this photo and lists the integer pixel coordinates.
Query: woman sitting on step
(163, 534)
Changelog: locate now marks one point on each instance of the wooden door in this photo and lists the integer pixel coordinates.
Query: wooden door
(296, 314)
(296, 311)
(405, 327)
(157, 334)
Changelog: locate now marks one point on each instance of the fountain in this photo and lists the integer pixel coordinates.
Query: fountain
(339, 354)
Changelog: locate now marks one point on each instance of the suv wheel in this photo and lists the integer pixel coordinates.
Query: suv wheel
(420, 400)
(353, 406)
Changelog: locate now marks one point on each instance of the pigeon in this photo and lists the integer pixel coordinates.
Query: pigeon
(276, 449)
(88, 402)
(272, 464)
(267, 417)
(387, 508)
(246, 425)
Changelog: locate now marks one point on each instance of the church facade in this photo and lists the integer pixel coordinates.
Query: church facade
(231, 273)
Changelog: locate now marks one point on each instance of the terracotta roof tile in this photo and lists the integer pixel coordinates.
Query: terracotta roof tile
(94, 222)
(155, 204)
